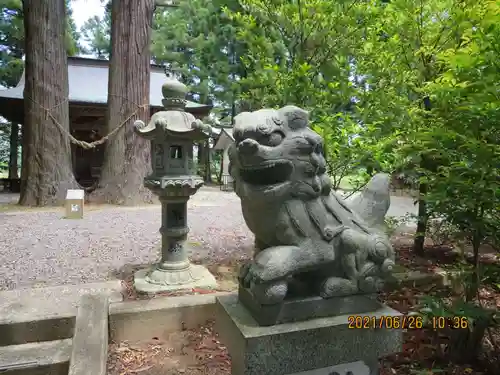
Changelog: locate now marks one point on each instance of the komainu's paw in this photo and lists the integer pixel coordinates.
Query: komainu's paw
(338, 287)
(381, 250)
(252, 274)
(371, 284)
(270, 294)
(266, 293)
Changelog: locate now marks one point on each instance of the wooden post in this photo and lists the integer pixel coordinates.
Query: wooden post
(14, 143)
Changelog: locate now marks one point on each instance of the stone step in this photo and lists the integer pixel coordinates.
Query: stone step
(90, 342)
(48, 357)
(44, 314)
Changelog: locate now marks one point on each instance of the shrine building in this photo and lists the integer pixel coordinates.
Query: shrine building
(88, 95)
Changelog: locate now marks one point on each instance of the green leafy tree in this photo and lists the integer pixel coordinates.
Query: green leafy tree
(402, 42)
(197, 43)
(466, 189)
(11, 68)
(96, 32)
(12, 42)
(301, 52)
(72, 41)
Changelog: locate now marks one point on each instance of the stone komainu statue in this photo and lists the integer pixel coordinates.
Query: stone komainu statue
(308, 240)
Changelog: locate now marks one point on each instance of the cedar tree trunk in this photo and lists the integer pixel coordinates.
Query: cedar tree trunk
(14, 145)
(127, 156)
(46, 168)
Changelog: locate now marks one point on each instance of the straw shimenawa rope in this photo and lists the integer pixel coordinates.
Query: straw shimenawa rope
(83, 144)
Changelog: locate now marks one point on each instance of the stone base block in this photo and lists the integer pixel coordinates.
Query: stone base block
(195, 276)
(300, 309)
(317, 346)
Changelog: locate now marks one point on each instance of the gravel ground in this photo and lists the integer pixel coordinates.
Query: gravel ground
(42, 248)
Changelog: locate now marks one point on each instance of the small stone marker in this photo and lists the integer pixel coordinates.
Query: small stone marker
(74, 203)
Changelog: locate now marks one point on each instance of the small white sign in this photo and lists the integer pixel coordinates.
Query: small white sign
(75, 208)
(353, 368)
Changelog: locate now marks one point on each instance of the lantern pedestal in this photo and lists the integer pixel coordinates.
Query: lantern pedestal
(158, 280)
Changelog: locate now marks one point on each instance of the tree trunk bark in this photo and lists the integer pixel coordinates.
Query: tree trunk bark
(14, 145)
(46, 169)
(127, 156)
(475, 282)
(24, 155)
(418, 243)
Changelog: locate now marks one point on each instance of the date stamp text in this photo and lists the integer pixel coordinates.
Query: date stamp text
(387, 322)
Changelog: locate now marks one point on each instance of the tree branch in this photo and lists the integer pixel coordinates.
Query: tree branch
(271, 15)
(336, 43)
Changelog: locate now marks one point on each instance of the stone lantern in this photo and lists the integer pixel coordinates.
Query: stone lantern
(172, 133)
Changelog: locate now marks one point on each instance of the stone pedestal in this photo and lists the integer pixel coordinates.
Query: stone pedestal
(318, 346)
(174, 271)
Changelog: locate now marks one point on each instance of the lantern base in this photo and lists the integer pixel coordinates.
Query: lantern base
(158, 280)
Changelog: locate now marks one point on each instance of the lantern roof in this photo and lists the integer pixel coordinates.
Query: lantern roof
(174, 120)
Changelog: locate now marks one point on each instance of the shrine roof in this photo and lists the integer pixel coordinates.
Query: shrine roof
(224, 139)
(88, 84)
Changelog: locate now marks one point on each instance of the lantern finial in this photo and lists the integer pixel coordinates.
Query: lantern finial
(174, 94)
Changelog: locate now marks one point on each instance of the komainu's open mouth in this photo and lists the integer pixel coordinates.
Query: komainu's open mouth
(270, 173)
